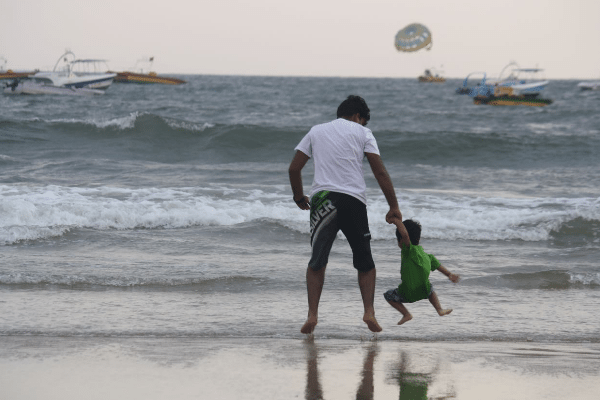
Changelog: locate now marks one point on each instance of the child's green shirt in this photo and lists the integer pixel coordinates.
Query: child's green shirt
(414, 270)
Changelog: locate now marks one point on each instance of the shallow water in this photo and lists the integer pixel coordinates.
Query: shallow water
(166, 211)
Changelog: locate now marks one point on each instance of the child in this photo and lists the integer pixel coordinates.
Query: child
(414, 271)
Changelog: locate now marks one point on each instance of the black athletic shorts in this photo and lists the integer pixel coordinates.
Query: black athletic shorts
(331, 212)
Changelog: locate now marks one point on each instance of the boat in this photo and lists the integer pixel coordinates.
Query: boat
(434, 77)
(523, 81)
(469, 84)
(70, 72)
(495, 94)
(592, 85)
(10, 74)
(507, 96)
(152, 77)
(145, 77)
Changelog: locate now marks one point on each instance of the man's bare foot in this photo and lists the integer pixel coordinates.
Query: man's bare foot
(447, 311)
(405, 318)
(309, 325)
(372, 323)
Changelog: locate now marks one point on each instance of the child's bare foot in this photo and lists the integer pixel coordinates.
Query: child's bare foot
(309, 325)
(405, 318)
(447, 311)
(372, 323)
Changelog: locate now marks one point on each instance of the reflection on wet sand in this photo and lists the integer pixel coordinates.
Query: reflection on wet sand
(367, 386)
(313, 389)
(415, 385)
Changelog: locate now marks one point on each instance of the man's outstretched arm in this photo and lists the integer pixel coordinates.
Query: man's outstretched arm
(394, 216)
(386, 185)
(295, 172)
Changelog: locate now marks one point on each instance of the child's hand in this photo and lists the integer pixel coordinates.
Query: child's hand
(454, 278)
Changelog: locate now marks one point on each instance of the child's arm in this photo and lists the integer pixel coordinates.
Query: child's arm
(453, 277)
(405, 240)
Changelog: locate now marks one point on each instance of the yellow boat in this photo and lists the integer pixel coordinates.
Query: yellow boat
(9, 74)
(429, 77)
(152, 77)
(503, 96)
(142, 77)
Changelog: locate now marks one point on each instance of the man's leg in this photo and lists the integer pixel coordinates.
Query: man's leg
(366, 282)
(314, 287)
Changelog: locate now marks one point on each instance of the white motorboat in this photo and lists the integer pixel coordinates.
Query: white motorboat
(69, 72)
(523, 81)
(592, 85)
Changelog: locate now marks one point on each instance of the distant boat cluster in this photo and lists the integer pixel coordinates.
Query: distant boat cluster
(72, 76)
(514, 86)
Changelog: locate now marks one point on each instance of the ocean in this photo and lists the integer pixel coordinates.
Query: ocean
(165, 212)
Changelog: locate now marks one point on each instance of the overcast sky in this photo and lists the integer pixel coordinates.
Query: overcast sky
(348, 38)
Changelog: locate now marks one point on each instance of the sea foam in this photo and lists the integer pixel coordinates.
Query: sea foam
(29, 213)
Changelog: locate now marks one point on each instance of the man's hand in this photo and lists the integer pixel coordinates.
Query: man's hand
(393, 215)
(303, 203)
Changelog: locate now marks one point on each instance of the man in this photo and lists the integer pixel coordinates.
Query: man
(338, 199)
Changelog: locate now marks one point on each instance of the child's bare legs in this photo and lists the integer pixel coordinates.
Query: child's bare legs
(406, 316)
(435, 302)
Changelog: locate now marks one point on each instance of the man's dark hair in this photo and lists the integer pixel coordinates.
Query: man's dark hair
(353, 105)
(414, 231)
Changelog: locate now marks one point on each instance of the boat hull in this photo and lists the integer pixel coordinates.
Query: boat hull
(432, 79)
(511, 101)
(132, 77)
(59, 79)
(30, 87)
(589, 85)
(15, 75)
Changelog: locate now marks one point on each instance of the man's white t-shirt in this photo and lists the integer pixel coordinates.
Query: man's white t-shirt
(337, 149)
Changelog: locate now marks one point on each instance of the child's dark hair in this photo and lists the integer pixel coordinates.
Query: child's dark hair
(354, 105)
(414, 231)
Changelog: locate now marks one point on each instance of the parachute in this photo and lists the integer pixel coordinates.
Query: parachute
(412, 38)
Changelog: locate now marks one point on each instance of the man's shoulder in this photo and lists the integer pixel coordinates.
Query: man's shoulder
(341, 125)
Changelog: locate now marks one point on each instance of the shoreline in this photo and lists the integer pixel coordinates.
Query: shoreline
(34, 367)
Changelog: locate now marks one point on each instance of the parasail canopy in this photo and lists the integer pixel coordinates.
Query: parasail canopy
(412, 38)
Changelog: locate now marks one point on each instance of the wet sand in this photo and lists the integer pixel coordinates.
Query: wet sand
(317, 368)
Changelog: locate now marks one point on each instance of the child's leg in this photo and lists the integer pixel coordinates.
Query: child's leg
(406, 316)
(435, 302)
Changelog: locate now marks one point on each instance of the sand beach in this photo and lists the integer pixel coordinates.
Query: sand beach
(310, 368)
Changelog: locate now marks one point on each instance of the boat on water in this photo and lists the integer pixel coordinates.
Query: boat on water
(472, 80)
(142, 77)
(505, 96)
(10, 74)
(151, 77)
(523, 81)
(77, 73)
(498, 95)
(520, 87)
(592, 85)
(70, 76)
(432, 77)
